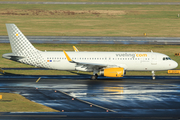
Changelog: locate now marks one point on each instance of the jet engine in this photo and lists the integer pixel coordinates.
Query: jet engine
(112, 72)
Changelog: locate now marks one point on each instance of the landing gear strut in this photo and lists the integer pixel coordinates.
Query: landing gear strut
(153, 75)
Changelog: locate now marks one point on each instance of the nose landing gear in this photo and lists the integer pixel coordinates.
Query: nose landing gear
(153, 75)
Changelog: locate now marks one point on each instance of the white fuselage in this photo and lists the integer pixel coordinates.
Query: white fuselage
(131, 61)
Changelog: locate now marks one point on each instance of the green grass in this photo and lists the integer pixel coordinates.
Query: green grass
(11, 102)
(92, 20)
(95, 0)
(166, 49)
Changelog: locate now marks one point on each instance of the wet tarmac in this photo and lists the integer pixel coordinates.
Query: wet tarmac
(95, 99)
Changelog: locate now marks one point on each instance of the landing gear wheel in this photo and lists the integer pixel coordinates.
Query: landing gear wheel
(94, 77)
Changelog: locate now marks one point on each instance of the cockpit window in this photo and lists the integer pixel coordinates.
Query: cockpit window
(166, 58)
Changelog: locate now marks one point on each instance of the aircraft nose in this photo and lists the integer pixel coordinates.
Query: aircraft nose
(174, 64)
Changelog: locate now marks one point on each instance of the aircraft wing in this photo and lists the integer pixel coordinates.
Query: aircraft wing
(84, 63)
(93, 65)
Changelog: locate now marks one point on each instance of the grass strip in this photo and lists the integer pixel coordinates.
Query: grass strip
(92, 20)
(11, 102)
(95, 0)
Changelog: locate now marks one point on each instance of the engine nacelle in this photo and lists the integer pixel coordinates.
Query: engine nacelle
(112, 72)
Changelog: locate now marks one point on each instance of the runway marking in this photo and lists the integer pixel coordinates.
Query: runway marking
(38, 79)
(2, 71)
(88, 102)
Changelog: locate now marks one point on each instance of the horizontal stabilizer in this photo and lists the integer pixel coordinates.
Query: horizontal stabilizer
(11, 56)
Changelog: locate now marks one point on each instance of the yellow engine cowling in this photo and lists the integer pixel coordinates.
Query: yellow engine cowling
(112, 72)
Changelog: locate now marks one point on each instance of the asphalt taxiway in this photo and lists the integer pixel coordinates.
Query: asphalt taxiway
(82, 98)
(99, 40)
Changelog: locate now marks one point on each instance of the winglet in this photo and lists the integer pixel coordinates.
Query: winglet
(75, 49)
(68, 58)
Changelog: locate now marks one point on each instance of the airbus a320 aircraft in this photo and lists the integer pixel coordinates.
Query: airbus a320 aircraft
(109, 64)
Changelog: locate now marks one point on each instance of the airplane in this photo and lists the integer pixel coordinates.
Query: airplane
(109, 64)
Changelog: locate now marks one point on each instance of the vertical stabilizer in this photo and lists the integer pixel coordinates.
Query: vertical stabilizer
(23, 50)
(20, 45)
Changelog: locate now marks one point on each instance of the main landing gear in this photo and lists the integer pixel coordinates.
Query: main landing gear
(94, 77)
(95, 74)
(153, 75)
